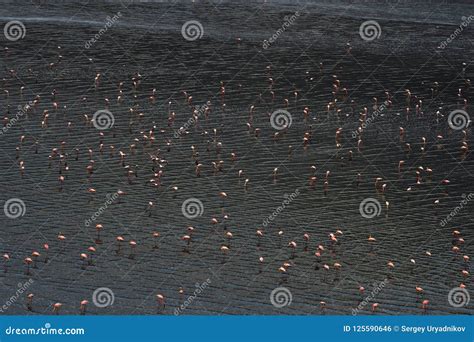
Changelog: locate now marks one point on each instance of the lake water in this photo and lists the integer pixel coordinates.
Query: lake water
(147, 39)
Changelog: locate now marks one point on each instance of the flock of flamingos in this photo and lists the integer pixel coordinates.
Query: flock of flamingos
(62, 158)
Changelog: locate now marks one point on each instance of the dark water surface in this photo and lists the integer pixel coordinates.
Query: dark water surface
(147, 40)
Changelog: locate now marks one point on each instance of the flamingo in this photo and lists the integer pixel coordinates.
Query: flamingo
(119, 239)
(29, 301)
(161, 301)
(57, 307)
(28, 262)
(6, 259)
(83, 306)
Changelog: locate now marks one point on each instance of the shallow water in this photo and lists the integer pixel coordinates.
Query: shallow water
(147, 39)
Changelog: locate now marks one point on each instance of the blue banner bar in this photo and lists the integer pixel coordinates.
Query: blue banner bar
(237, 328)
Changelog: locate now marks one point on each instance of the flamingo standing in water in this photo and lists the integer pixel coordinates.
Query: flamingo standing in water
(133, 245)
(46, 249)
(57, 307)
(119, 239)
(224, 250)
(29, 301)
(156, 235)
(98, 228)
(83, 306)
(161, 301)
(424, 305)
(223, 196)
(28, 262)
